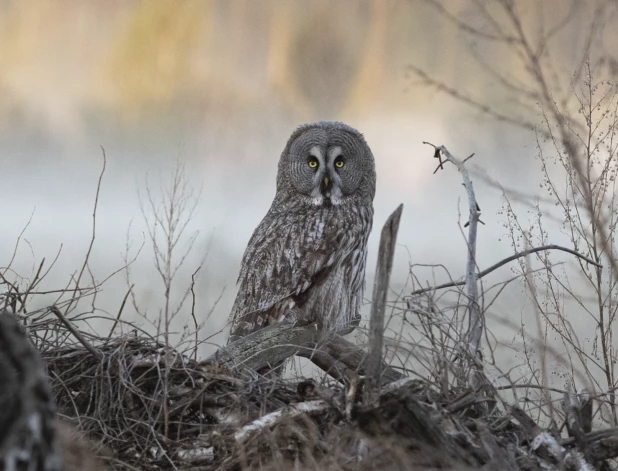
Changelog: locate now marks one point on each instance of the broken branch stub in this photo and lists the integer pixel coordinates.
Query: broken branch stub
(384, 267)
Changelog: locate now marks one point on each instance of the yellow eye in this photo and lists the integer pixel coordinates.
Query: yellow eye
(339, 163)
(313, 163)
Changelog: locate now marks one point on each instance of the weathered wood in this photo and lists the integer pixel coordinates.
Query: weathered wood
(330, 365)
(386, 253)
(273, 344)
(293, 410)
(475, 328)
(267, 347)
(604, 446)
(601, 445)
(355, 357)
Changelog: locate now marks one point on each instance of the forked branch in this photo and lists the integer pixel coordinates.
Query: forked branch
(475, 326)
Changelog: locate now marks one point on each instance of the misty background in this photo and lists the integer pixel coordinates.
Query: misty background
(220, 85)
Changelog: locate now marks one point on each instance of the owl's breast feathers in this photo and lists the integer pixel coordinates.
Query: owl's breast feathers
(309, 261)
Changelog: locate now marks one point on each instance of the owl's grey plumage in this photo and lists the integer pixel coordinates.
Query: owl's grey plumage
(306, 259)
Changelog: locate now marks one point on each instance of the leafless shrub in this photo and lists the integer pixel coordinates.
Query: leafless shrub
(167, 216)
(576, 143)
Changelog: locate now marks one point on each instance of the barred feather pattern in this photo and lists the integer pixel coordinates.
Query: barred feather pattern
(307, 263)
(306, 260)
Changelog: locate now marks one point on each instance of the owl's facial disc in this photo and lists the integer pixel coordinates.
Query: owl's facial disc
(327, 164)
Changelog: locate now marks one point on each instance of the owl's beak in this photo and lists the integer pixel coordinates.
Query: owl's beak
(326, 181)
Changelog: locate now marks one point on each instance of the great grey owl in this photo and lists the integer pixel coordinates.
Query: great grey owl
(306, 259)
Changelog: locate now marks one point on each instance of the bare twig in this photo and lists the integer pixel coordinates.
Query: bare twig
(579, 119)
(94, 229)
(124, 301)
(195, 324)
(504, 261)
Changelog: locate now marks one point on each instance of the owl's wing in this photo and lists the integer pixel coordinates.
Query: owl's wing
(287, 255)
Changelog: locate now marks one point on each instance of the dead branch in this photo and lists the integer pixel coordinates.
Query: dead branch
(384, 267)
(333, 367)
(601, 445)
(310, 389)
(585, 410)
(94, 231)
(504, 261)
(354, 358)
(274, 344)
(76, 333)
(475, 326)
(282, 414)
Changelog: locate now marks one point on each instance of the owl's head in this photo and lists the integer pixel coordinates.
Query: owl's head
(327, 163)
